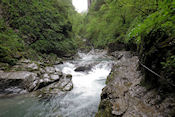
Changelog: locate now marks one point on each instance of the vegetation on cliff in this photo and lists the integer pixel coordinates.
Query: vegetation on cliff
(146, 26)
(41, 26)
(10, 44)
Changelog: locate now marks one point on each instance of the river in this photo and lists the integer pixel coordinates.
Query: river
(82, 101)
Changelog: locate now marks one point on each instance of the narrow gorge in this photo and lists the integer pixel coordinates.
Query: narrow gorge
(87, 58)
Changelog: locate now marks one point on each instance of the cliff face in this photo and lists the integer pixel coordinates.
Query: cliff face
(124, 96)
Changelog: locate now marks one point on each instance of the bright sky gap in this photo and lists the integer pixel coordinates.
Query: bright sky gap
(80, 5)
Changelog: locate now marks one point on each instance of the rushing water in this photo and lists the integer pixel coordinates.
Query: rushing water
(82, 101)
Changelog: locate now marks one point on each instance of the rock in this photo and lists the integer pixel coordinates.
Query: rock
(32, 66)
(46, 80)
(69, 76)
(15, 90)
(119, 54)
(16, 75)
(31, 82)
(54, 77)
(28, 76)
(83, 68)
(64, 81)
(59, 73)
(45, 76)
(123, 95)
(58, 61)
(65, 84)
(26, 61)
(26, 80)
(20, 79)
(26, 65)
(68, 87)
(42, 70)
(4, 66)
(119, 106)
(69, 56)
(50, 70)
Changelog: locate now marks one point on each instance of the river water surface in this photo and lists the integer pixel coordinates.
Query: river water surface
(82, 101)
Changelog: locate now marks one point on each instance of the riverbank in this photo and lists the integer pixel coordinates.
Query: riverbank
(89, 72)
(30, 76)
(124, 95)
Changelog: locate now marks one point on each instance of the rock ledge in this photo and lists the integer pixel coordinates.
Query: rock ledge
(123, 95)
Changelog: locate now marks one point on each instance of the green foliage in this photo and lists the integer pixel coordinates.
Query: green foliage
(147, 26)
(78, 23)
(43, 25)
(155, 36)
(109, 20)
(170, 62)
(10, 44)
(169, 67)
(162, 19)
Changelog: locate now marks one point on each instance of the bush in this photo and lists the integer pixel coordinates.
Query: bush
(10, 44)
(43, 25)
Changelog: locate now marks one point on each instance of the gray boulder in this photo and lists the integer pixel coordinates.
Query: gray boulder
(57, 88)
(83, 68)
(17, 80)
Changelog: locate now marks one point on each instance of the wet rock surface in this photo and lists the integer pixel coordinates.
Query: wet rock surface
(124, 96)
(28, 76)
(83, 68)
(64, 84)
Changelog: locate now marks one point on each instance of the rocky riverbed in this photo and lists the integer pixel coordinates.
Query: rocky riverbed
(50, 88)
(69, 89)
(32, 76)
(124, 96)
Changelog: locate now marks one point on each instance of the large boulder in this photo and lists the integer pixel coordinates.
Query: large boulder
(57, 88)
(83, 68)
(47, 79)
(17, 80)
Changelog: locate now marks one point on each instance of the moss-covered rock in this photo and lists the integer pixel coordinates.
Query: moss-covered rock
(105, 109)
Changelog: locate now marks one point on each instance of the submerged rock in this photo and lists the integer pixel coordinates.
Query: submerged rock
(124, 96)
(83, 68)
